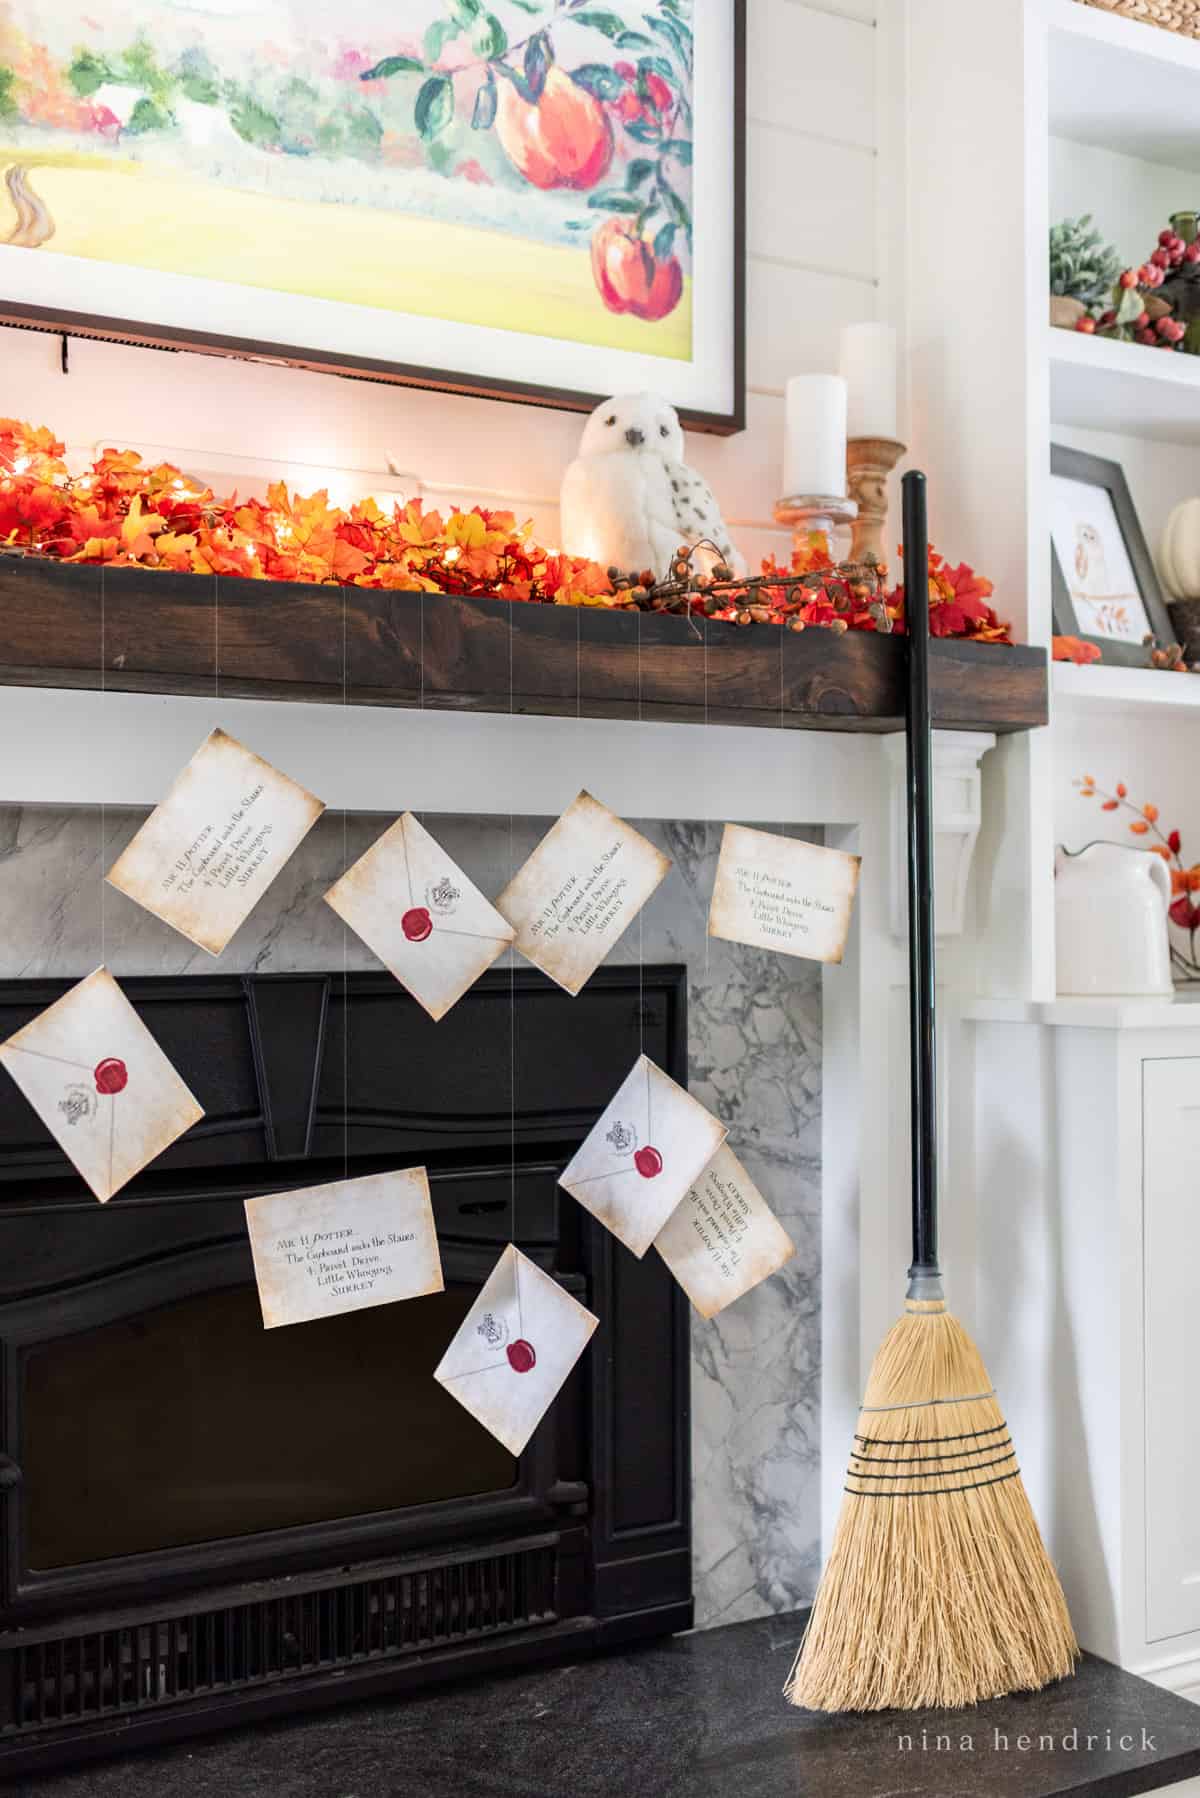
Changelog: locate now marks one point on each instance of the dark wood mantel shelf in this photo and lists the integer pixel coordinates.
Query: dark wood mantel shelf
(147, 631)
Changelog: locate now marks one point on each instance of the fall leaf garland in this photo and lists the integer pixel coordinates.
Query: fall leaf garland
(121, 512)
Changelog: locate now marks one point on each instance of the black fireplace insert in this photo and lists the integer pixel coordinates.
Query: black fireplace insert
(206, 1522)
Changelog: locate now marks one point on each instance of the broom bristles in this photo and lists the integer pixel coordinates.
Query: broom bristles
(939, 1590)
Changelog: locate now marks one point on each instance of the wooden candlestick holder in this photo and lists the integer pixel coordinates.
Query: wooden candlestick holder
(869, 462)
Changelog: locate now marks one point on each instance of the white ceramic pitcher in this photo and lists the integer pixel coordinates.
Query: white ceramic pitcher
(1110, 915)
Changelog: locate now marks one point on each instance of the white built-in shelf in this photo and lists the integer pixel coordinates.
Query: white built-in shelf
(1123, 85)
(1182, 1012)
(1100, 686)
(1099, 385)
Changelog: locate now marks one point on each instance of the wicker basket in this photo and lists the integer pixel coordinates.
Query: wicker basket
(1182, 16)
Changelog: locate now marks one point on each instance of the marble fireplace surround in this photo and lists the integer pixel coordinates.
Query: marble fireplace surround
(821, 1118)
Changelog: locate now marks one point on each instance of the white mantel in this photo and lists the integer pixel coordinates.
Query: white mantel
(123, 749)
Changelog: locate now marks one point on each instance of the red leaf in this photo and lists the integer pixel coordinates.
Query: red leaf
(947, 620)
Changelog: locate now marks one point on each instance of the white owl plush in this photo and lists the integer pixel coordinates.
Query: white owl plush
(629, 499)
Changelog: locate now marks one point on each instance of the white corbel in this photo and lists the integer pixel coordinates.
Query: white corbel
(957, 810)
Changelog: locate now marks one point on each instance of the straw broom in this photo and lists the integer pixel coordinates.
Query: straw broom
(939, 1590)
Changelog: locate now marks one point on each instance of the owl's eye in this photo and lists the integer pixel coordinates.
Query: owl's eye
(612, 420)
(663, 431)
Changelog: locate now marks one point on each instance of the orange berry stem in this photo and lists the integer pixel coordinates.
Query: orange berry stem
(1144, 815)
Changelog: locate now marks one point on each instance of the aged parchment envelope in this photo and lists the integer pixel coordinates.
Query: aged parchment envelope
(723, 1239)
(637, 1162)
(204, 857)
(429, 925)
(773, 893)
(343, 1247)
(100, 1083)
(580, 890)
(510, 1355)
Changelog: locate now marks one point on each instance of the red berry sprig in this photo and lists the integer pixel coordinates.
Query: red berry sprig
(1139, 313)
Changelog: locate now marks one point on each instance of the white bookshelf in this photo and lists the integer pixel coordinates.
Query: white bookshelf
(1123, 388)
(1020, 113)
(1102, 690)
(1120, 84)
(1123, 135)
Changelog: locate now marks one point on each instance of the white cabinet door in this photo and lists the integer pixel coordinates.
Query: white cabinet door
(1171, 1200)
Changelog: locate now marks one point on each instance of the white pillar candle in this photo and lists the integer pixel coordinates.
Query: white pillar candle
(868, 362)
(814, 450)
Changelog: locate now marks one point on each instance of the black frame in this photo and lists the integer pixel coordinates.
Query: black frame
(1076, 465)
(167, 337)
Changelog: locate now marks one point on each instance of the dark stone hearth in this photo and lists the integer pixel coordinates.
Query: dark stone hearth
(699, 1716)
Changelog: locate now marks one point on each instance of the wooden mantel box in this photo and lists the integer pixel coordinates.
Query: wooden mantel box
(149, 631)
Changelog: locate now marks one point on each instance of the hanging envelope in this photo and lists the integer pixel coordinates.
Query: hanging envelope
(510, 1355)
(638, 1161)
(580, 890)
(206, 855)
(100, 1083)
(774, 892)
(345, 1246)
(429, 925)
(724, 1238)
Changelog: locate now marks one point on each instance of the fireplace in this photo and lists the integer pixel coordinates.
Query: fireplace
(205, 1522)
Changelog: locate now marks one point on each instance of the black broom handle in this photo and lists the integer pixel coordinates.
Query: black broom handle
(922, 975)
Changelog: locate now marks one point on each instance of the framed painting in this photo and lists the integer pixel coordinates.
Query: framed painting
(1103, 585)
(528, 199)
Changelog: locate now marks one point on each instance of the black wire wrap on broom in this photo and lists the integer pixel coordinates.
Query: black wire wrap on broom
(922, 1045)
(938, 1491)
(956, 1454)
(1009, 1455)
(966, 1436)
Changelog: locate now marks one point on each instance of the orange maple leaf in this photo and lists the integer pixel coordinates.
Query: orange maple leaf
(416, 526)
(397, 577)
(96, 549)
(175, 551)
(138, 532)
(29, 509)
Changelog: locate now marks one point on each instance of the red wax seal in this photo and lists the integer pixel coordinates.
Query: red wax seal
(111, 1075)
(648, 1162)
(417, 924)
(521, 1357)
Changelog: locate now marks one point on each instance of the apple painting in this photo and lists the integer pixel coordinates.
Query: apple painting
(563, 138)
(574, 124)
(629, 274)
(527, 169)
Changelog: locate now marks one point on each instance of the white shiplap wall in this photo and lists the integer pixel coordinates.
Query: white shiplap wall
(813, 264)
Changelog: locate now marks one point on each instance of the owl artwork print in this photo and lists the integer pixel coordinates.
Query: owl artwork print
(1095, 562)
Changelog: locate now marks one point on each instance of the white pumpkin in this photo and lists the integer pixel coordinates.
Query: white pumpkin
(1179, 554)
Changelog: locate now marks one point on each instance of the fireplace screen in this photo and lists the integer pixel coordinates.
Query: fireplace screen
(202, 1521)
(189, 1423)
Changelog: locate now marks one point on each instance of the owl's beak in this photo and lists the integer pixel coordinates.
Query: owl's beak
(635, 438)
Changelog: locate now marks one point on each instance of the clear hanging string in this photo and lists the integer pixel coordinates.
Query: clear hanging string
(641, 909)
(346, 762)
(103, 856)
(512, 968)
(707, 784)
(782, 738)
